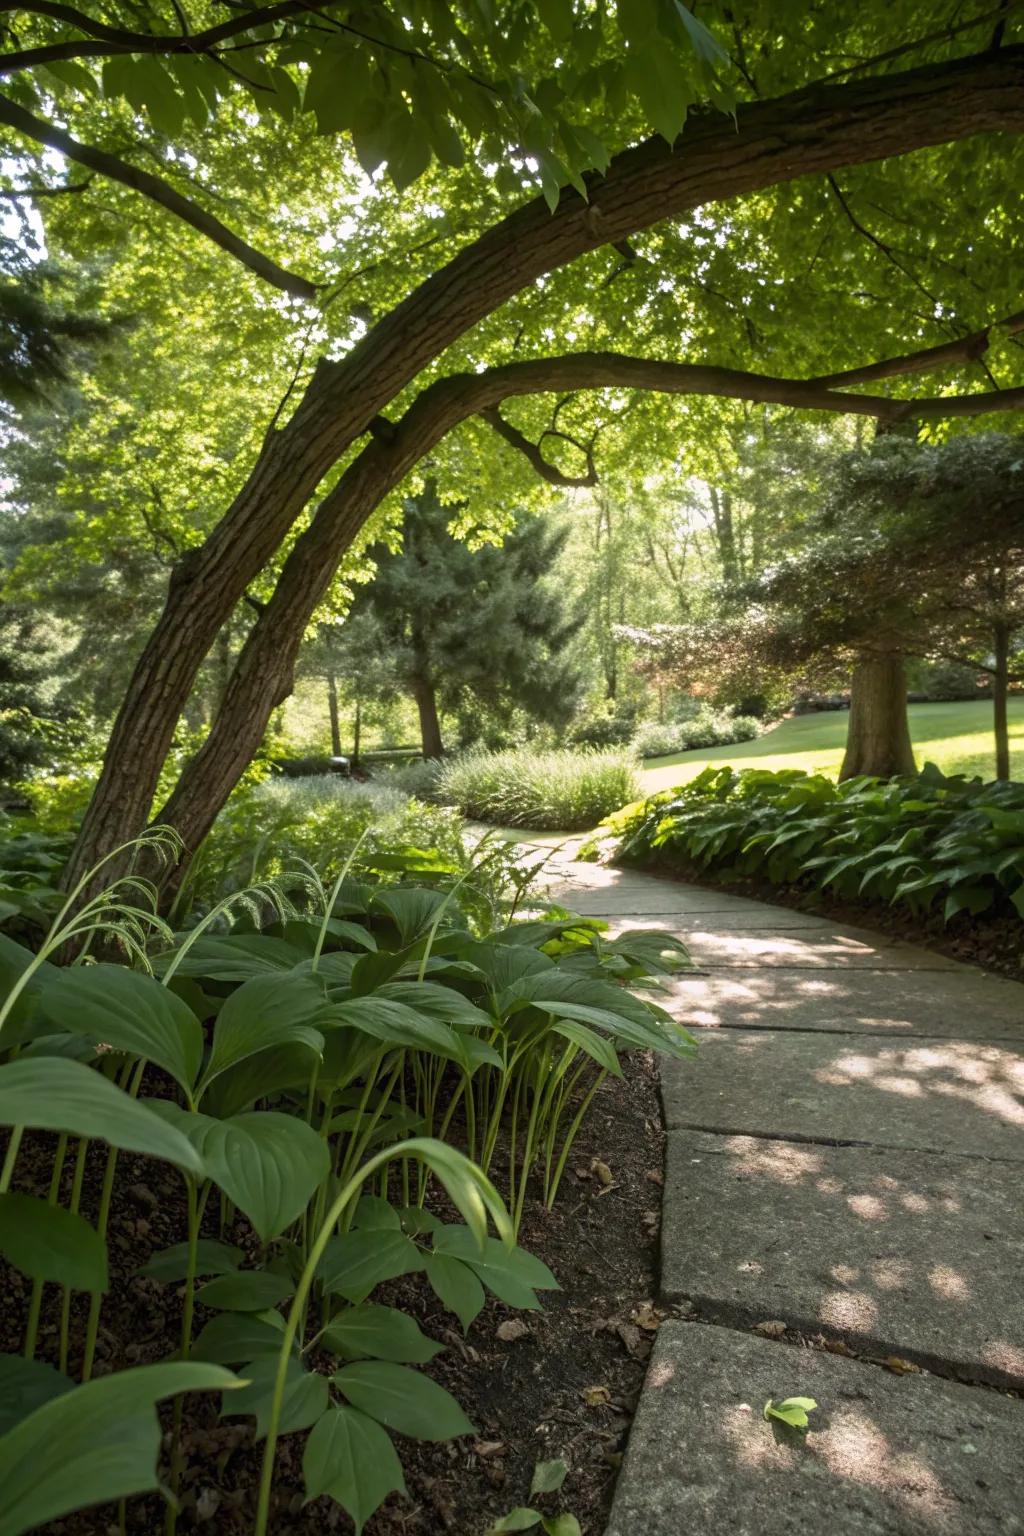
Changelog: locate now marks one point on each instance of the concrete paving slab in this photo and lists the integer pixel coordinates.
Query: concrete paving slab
(661, 897)
(752, 916)
(960, 1096)
(900, 1253)
(963, 1004)
(887, 1455)
(836, 948)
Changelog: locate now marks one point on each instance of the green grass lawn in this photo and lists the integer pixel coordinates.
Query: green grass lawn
(958, 737)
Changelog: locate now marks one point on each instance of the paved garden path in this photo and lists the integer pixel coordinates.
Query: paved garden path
(843, 1219)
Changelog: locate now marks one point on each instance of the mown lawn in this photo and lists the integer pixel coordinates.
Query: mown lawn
(958, 737)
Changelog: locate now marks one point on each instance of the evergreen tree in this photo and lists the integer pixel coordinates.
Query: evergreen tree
(468, 630)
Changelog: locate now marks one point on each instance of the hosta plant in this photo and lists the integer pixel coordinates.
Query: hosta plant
(308, 1079)
(918, 842)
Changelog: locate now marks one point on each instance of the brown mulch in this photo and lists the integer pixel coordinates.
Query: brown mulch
(561, 1382)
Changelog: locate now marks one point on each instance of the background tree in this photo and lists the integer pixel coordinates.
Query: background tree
(467, 628)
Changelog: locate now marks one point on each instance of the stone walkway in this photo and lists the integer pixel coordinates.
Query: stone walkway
(846, 1158)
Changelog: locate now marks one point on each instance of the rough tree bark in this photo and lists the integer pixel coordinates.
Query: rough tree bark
(332, 710)
(430, 724)
(1000, 688)
(878, 736)
(714, 160)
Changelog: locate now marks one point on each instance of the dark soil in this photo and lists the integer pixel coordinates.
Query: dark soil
(993, 940)
(562, 1382)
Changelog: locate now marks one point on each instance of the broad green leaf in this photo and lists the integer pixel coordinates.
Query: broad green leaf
(520, 1519)
(306, 1396)
(246, 1290)
(268, 1163)
(353, 1264)
(14, 960)
(560, 1525)
(548, 1476)
(455, 1284)
(26, 1385)
(791, 1410)
(372, 1211)
(131, 1012)
(411, 911)
(235, 957)
(596, 1046)
(93, 1445)
(404, 1400)
(394, 1023)
(265, 1012)
(48, 1093)
(511, 1273)
(212, 1258)
(382, 1333)
(237, 1337)
(351, 1458)
(46, 1242)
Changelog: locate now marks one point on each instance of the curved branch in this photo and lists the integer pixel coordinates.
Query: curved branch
(159, 191)
(120, 40)
(965, 349)
(533, 455)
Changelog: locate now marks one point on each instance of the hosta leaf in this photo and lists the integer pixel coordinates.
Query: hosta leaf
(383, 1333)
(46, 1242)
(353, 1264)
(212, 1258)
(791, 1410)
(306, 1396)
(511, 1273)
(520, 1519)
(596, 1046)
(26, 1385)
(95, 1444)
(48, 1093)
(394, 1023)
(404, 1400)
(246, 1290)
(411, 911)
(560, 1525)
(455, 1284)
(350, 1457)
(131, 1012)
(264, 1012)
(235, 957)
(268, 1163)
(548, 1476)
(235, 1337)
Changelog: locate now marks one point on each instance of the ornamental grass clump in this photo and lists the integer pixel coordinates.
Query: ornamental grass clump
(547, 791)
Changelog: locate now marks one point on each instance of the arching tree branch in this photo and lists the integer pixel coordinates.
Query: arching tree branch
(534, 457)
(965, 349)
(159, 191)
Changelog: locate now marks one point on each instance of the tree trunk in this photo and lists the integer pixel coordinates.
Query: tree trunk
(878, 737)
(715, 159)
(332, 708)
(430, 725)
(357, 733)
(1000, 688)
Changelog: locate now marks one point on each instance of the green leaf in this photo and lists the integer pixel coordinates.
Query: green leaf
(791, 1410)
(561, 1525)
(26, 1385)
(95, 1444)
(521, 1519)
(47, 1093)
(350, 1457)
(237, 1337)
(383, 1333)
(265, 1012)
(548, 1476)
(305, 1396)
(394, 1023)
(353, 1264)
(246, 1290)
(596, 1046)
(235, 957)
(46, 1242)
(511, 1273)
(269, 1164)
(212, 1258)
(455, 1284)
(132, 1012)
(404, 1400)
